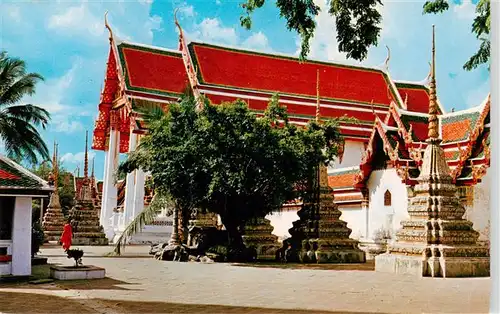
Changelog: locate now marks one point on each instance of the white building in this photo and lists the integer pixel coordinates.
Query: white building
(17, 189)
(382, 152)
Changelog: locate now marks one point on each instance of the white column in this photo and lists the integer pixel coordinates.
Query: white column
(138, 192)
(495, 153)
(128, 211)
(21, 237)
(109, 194)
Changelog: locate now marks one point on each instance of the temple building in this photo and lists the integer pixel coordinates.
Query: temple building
(371, 179)
(18, 187)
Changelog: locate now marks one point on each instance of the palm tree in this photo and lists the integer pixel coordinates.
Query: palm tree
(18, 122)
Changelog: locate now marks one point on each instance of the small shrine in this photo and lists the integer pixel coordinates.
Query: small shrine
(436, 240)
(84, 215)
(257, 234)
(53, 220)
(319, 235)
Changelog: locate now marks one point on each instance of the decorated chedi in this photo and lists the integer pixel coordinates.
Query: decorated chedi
(84, 216)
(436, 240)
(53, 220)
(257, 234)
(319, 236)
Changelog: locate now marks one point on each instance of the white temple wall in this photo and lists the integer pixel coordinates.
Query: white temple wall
(355, 216)
(379, 215)
(282, 222)
(479, 212)
(353, 152)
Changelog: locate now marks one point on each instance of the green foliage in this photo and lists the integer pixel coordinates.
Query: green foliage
(37, 237)
(18, 122)
(358, 22)
(480, 27)
(226, 160)
(436, 6)
(75, 254)
(357, 26)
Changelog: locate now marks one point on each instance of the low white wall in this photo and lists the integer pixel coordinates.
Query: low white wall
(355, 216)
(479, 212)
(282, 221)
(353, 152)
(380, 216)
(21, 237)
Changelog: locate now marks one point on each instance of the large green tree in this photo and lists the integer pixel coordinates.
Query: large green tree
(19, 122)
(226, 160)
(358, 24)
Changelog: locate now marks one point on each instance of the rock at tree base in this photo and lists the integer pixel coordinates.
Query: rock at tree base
(86, 227)
(319, 236)
(436, 241)
(171, 252)
(53, 220)
(258, 235)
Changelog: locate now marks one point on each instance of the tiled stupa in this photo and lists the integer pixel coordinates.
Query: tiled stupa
(258, 234)
(53, 220)
(320, 236)
(435, 241)
(84, 216)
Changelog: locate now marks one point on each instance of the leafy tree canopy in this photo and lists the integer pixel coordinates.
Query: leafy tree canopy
(18, 122)
(226, 160)
(358, 24)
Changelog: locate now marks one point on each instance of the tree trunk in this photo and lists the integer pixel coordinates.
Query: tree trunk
(235, 239)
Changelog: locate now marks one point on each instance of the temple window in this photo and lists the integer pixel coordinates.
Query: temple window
(387, 198)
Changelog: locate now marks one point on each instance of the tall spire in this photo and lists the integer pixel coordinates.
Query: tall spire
(55, 168)
(433, 128)
(317, 96)
(86, 160)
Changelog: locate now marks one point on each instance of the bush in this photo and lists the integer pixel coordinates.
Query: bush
(37, 238)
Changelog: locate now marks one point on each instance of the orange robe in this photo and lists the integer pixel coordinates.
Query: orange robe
(66, 237)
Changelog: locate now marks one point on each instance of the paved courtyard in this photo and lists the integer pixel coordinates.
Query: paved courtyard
(136, 277)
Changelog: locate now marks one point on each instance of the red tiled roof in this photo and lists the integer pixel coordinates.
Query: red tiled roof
(152, 70)
(341, 180)
(13, 176)
(456, 130)
(263, 72)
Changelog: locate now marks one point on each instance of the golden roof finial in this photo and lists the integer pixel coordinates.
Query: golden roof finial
(433, 129)
(107, 26)
(386, 63)
(318, 106)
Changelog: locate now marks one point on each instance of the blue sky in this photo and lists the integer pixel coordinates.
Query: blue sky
(67, 43)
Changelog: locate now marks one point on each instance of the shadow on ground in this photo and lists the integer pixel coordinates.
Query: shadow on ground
(39, 303)
(368, 266)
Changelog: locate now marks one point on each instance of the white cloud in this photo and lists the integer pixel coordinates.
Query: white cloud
(13, 12)
(475, 97)
(257, 41)
(211, 29)
(186, 11)
(146, 2)
(78, 19)
(465, 10)
(324, 44)
(77, 158)
(49, 94)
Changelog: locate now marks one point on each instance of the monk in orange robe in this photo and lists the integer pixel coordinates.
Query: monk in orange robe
(66, 236)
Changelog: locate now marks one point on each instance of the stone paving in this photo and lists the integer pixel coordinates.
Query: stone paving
(137, 277)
